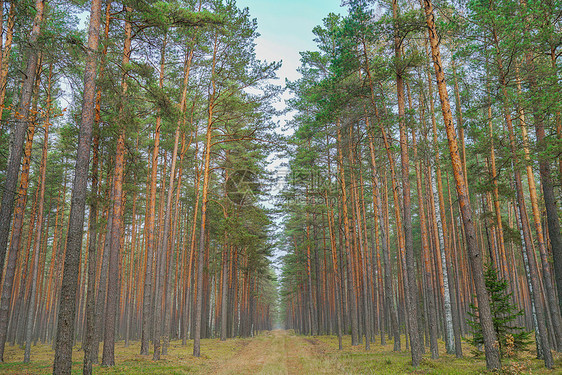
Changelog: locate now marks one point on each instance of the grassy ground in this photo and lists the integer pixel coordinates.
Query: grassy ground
(277, 352)
(382, 360)
(128, 360)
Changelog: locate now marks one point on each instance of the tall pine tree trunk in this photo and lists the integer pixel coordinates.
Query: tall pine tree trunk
(362, 279)
(542, 339)
(91, 345)
(547, 275)
(409, 278)
(428, 274)
(113, 284)
(17, 225)
(204, 201)
(351, 288)
(18, 134)
(388, 287)
(165, 247)
(69, 288)
(37, 241)
(147, 309)
(5, 58)
(452, 319)
(485, 314)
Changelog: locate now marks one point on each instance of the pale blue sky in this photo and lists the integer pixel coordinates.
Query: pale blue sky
(286, 29)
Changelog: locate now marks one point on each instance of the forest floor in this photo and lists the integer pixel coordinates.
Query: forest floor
(276, 352)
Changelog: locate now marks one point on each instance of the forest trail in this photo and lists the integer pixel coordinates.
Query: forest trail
(279, 352)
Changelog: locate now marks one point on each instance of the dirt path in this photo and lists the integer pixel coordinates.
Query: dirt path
(279, 352)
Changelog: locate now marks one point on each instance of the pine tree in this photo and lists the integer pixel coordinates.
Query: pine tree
(504, 313)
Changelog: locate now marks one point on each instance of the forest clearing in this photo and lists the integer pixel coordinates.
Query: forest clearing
(275, 353)
(175, 185)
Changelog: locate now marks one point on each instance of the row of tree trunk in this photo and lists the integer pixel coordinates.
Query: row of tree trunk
(154, 273)
(371, 279)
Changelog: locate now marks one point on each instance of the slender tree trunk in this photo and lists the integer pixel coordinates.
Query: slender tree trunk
(349, 262)
(389, 289)
(113, 288)
(189, 279)
(360, 244)
(17, 138)
(17, 226)
(452, 319)
(128, 300)
(168, 298)
(460, 123)
(166, 247)
(101, 299)
(337, 278)
(204, 194)
(181, 122)
(91, 345)
(542, 339)
(333, 251)
(24, 284)
(309, 305)
(150, 214)
(224, 287)
(51, 277)
(548, 191)
(549, 196)
(410, 280)
(37, 241)
(165, 244)
(67, 304)
(547, 275)
(5, 58)
(429, 293)
(485, 314)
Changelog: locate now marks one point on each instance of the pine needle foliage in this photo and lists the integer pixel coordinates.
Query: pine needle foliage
(511, 338)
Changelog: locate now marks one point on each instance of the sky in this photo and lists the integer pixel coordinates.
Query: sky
(286, 27)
